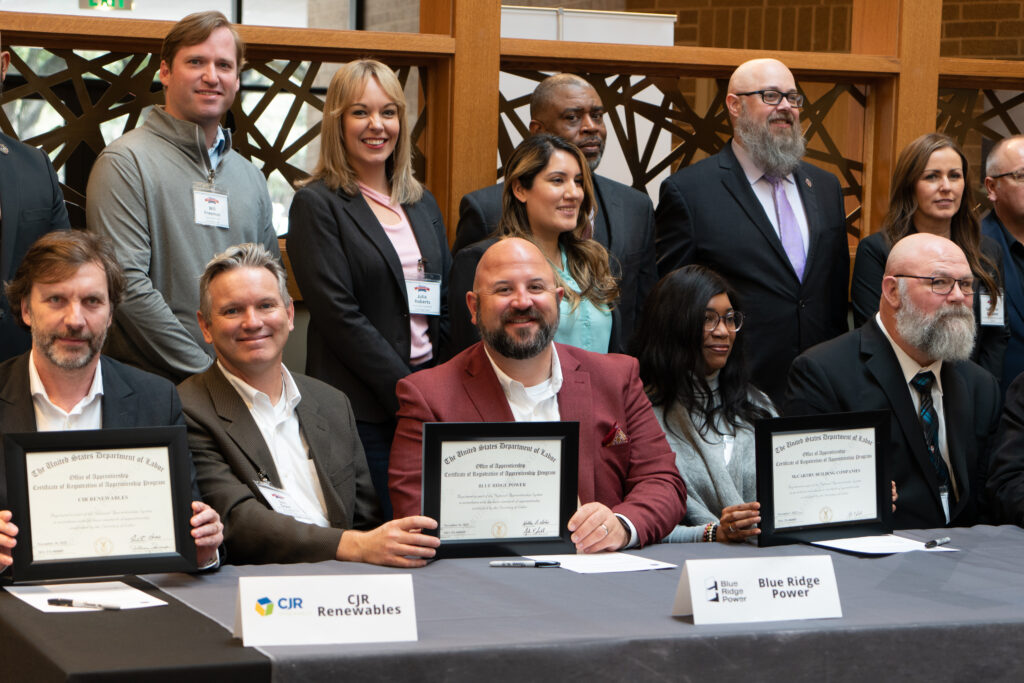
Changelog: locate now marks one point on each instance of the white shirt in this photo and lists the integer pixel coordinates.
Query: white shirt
(910, 368)
(765, 193)
(279, 426)
(86, 414)
(539, 403)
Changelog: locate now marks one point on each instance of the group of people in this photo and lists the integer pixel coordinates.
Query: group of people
(547, 307)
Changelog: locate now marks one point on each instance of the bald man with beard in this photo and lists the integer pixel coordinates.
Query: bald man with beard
(915, 352)
(771, 224)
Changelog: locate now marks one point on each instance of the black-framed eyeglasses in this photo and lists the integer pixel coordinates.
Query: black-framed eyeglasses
(773, 97)
(733, 320)
(1018, 175)
(944, 285)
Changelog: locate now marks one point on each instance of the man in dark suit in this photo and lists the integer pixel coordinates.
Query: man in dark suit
(1004, 181)
(567, 106)
(31, 205)
(65, 292)
(629, 487)
(912, 359)
(771, 224)
(278, 454)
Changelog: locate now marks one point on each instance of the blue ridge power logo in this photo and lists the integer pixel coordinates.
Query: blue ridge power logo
(264, 607)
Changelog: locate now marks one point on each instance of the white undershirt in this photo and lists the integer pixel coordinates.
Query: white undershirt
(281, 431)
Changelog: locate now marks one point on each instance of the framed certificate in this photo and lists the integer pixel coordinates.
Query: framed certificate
(100, 502)
(823, 476)
(500, 488)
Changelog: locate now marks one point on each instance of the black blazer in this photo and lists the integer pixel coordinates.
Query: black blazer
(860, 371)
(866, 290)
(708, 214)
(31, 205)
(352, 281)
(131, 398)
(624, 225)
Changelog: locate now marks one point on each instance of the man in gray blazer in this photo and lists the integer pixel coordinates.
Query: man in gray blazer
(568, 106)
(277, 453)
(65, 293)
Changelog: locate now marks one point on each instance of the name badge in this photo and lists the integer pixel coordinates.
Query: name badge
(324, 610)
(996, 316)
(282, 502)
(424, 294)
(758, 589)
(211, 205)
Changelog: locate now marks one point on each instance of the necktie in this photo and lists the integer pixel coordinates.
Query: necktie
(930, 422)
(789, 229)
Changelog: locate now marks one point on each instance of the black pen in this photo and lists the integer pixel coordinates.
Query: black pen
(936, 542)
(525, 563)
(68, 602)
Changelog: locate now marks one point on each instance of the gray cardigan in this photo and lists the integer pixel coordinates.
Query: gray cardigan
(711, 484)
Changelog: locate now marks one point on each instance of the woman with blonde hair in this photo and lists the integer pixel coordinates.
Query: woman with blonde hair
(369, 252)
(932, 192)
(548, 198)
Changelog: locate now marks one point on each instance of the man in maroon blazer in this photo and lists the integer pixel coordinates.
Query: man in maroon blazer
(629, 488)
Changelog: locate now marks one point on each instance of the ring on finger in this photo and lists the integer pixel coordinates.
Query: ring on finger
(732, 528)
(606, 531)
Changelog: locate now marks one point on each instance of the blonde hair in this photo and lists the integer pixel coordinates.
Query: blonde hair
(333, 167)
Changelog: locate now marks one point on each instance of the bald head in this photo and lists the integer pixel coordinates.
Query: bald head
(1005, 193)
(926, 252)
(512, 253)
(568, 106)
(760, 74)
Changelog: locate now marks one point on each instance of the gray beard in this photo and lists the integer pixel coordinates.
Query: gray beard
(776, 154)
(948, 335)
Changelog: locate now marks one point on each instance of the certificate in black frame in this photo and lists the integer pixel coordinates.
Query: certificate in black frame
(173, 438)
(765, 430)
(437, 433)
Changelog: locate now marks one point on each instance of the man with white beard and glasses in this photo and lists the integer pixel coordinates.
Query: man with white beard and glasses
(772, 225)
(912, 359)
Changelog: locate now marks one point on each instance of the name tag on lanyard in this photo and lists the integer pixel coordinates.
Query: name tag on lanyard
(211, 205)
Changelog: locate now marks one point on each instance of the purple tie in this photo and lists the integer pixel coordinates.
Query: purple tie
(789, 229)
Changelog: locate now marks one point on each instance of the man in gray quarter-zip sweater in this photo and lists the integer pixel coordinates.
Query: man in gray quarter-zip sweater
(159, 194)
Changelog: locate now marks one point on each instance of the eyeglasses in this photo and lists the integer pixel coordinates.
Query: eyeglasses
(733, 320)
(1018, 175)
(773, 97)
(944, 285)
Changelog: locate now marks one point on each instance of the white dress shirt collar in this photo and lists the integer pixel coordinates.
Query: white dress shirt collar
(86, 414)
(538, 403)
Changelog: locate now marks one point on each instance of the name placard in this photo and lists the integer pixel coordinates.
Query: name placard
(758, 589)
(324, 610)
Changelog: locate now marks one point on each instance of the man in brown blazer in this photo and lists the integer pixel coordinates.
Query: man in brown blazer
(276, 453)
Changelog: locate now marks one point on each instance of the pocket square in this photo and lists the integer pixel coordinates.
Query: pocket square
(615, 437)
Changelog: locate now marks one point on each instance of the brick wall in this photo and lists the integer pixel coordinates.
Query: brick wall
(982, 28)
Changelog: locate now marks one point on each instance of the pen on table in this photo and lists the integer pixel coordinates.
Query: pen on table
(936, 542)
(68, 602)
(525, 563)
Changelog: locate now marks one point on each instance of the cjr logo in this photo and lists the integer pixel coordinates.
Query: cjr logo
(264, 607)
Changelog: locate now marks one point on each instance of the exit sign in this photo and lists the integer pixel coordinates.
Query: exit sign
(107, 5)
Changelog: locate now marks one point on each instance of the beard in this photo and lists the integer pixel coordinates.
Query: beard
(47, 344)
(524, 344)
(947, 335)
(776, 153)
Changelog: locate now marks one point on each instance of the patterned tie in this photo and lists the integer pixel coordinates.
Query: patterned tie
(789, 229)
(930, 422)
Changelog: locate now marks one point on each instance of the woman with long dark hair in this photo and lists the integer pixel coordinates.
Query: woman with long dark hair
(932, 192)
(548, 199)
(692, 365)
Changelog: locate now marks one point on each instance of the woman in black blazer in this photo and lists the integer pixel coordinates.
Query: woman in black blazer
(364, 236)
(932, 192)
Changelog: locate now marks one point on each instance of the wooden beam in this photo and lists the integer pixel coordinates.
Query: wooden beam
(980, 73)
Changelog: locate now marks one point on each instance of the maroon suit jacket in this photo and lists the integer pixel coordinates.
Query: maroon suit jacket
(637, 479)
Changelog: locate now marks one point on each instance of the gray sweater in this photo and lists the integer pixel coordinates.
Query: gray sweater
(140, 196)
(711, 484)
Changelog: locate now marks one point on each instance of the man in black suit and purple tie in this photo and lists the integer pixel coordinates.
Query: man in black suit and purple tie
(772, 225)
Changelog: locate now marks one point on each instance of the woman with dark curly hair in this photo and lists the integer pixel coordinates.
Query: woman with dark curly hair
(932, 192)
(693, 369)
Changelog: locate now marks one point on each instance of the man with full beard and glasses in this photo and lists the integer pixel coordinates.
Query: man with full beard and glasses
(65, 292)
(912, 359)
(629, 488)
(771, 224)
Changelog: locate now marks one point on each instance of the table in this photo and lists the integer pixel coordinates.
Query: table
(916, 616)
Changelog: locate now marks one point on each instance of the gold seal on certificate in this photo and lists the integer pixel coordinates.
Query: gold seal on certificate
(822, 477)
(98, 502)
(500, 488)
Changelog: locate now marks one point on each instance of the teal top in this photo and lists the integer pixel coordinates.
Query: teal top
(589, 327)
